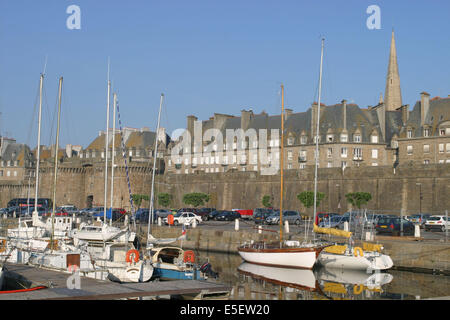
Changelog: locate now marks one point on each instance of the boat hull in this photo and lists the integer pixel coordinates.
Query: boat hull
(166, 271)
(303, 258)
(368, 262)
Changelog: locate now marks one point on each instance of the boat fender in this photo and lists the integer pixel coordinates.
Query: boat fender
(2, 245)
(357, 250)
(132, 254)
(189, 256)
(358, 289)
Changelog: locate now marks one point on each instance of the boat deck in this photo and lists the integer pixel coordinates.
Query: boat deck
(92, 289)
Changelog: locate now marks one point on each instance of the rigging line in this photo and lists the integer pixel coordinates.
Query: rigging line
(124, 157)
(31, 126)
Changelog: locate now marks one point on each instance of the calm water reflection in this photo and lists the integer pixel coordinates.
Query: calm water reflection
(251, 281)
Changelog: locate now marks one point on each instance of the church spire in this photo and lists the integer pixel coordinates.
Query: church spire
(393, 95)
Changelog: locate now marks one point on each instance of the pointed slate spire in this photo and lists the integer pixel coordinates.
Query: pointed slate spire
(393, 95)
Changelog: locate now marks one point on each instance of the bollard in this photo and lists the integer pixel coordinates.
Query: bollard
(259, 229)
(125, 221)
(345, 226)
(416, 231)
(159, 221)
(286, 226)
(236, 224)
(369, 236)
(194, 223)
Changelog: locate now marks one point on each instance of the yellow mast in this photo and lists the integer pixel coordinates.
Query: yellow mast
(281, 163)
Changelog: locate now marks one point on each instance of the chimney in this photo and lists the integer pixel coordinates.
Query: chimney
(405, 113)
(190, 125)
(287, 113)
(344, 112)
(424, 106)
(246, 116)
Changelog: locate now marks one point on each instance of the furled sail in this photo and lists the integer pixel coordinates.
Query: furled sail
(332, 231)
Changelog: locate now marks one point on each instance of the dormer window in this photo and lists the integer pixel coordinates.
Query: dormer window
(409, 133)
(426, 132)
(357, 137)
(344, 137)
(290, 141)
(330, 138)
(303, 139)
(374, 138)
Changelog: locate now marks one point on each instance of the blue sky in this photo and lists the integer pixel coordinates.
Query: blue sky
(207, 56)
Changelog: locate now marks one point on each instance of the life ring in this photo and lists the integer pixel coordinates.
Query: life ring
(3, 245)
(358, 289)
(356, 250)
(134, 253)
(189, 256)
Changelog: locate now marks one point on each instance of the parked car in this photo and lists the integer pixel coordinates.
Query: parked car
(393, 226)
(212, 215)
(142, 214)
(228, 216)
(184, 218)
(193, 210)
(202, 212)
(69, 208)
(117, 213)
(92, 211)
(420, 219)
(288, 215)
(324, 215)
(334, 222)
(437, 222)
(260, 215)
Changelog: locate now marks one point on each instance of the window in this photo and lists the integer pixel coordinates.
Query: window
(302, 166)
(447, 147)
(357, 153)
(289, 165)
(426, 161)
(1, 173)
(344, 164)
(409, 133)
(329, 164)
(315, 139)
(426, 148)
(8, 173)
(344, 152)
(409, 150)
(186, 161)
(289, 155)
(302, 156)
(426, 132)
(330, 138)
(442, 132)
(357, 138)
(374, 153)
(329, 152)
(290, 141)
(344, 137)
(303, 139)
(374, 139)
(441, 148)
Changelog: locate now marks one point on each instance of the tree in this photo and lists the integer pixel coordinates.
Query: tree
(266, 201)
(137, 199)
(358, 198)
(195, 199)
(164, 199)
(307, 198)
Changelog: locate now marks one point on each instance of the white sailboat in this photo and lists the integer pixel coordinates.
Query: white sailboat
(291, 254)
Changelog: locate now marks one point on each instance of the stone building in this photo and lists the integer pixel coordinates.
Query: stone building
(425, 136)
(16, 160)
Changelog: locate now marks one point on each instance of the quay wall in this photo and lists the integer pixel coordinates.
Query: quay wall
(423, 255)
(406, 188)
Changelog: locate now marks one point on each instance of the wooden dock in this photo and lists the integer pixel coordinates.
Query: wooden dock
(92, 289)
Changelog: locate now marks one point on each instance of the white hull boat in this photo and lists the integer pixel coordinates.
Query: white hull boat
(354, 258)
(291, 255)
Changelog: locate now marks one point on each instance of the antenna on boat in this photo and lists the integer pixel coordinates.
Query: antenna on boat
(155, 155)
(317, 138)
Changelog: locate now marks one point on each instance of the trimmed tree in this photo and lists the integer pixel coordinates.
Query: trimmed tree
(195, 199)
(307, 198)
(137, 199)
(164, 199)
(266, 201)
(358, 198)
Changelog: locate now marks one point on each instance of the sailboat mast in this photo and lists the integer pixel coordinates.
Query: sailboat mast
(155, 155)
(106, 147)
(317, 135)
(112, 154)
(55, 178)
(281, 163)
(38, 155)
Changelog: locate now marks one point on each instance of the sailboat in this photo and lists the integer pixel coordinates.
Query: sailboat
(291, 254)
